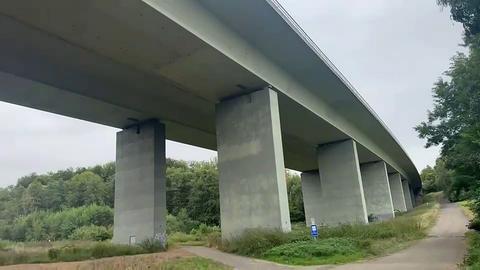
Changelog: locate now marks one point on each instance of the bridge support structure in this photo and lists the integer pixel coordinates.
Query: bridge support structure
(140, 184)
(396, 189)
(334, 195)
(253, 191)
(407, 194)
(376, 188)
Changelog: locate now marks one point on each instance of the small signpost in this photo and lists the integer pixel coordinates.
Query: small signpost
(313, 230)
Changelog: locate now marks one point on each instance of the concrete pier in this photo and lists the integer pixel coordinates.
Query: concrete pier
(396, 189)
(253, 192)
(412, 195)
(376, 189)
(312, 192)
(335, 195)
(140, 197)
(406, 193)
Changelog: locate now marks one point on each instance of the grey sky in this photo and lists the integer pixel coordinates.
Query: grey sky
(390, 50)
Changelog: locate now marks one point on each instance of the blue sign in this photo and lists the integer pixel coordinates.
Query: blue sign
(314, 231)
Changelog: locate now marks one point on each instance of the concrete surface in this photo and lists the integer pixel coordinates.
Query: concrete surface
(412, 197)
(376, 189)
(253, 189)
(311, 191)
(396, 189)
(443, 249)
(140, 190)
(406, 194)
(341, 199)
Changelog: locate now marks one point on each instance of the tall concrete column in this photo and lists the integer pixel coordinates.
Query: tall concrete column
(253, 191)
(412, 196)
(140, 197)
(377, 190)
(336, 195)
(396, 189)
(406, 193)
(312, 192)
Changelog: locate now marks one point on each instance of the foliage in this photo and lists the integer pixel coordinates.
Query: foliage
(295, 198)
(92, 232)
(44, 225)
(439, 178)
(192, 263)
(335, 244)
(152, 245)
(72, 251)
(85, 189)
(454, 122)
(255, 242)
(326, 251)
(472, 260)
(466, 12)
(56, 205)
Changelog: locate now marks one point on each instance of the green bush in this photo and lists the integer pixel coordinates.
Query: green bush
(92, 232)
(332, 250)
(474, 224)
(102, 250)
(204, 229)
(472, 260)
(53, 253)
(4, 245)
(255, 242)
(152, 245)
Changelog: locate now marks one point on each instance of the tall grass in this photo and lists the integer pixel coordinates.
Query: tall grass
(71, 251)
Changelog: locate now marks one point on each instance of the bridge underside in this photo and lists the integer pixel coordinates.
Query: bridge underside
(95, 60)
(126, 63)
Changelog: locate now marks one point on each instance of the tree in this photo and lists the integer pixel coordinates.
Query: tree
(454, 122)
(204, 202)
(84, 189)
(295, 197)
(466, 12)
(429, 182)
(33, 198)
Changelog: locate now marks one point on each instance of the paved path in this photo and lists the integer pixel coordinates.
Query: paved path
(444, 248)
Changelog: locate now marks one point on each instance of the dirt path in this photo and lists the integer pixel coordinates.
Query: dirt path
(444, 248)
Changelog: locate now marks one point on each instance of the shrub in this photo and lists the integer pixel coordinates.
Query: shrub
(4, 245)
(204, 230)
(152, 245)
(102, 250)
(472, 260)
(255, 242)
(92, 232)
(53, 253)
(214, 239)
(332, 250)
(180, 237)
(474, 224)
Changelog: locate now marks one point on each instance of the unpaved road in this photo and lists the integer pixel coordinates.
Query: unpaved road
(444, 248)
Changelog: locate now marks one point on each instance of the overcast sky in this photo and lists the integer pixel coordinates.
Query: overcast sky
(390, 50)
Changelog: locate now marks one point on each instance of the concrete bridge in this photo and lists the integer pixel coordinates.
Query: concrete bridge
(239, 77)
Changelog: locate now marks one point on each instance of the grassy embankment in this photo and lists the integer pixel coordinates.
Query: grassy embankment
(77, 250)
(472, 259)
(70, 251)
(340, 244)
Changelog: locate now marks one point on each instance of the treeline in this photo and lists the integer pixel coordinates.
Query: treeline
(454, 122)
(78, 203)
